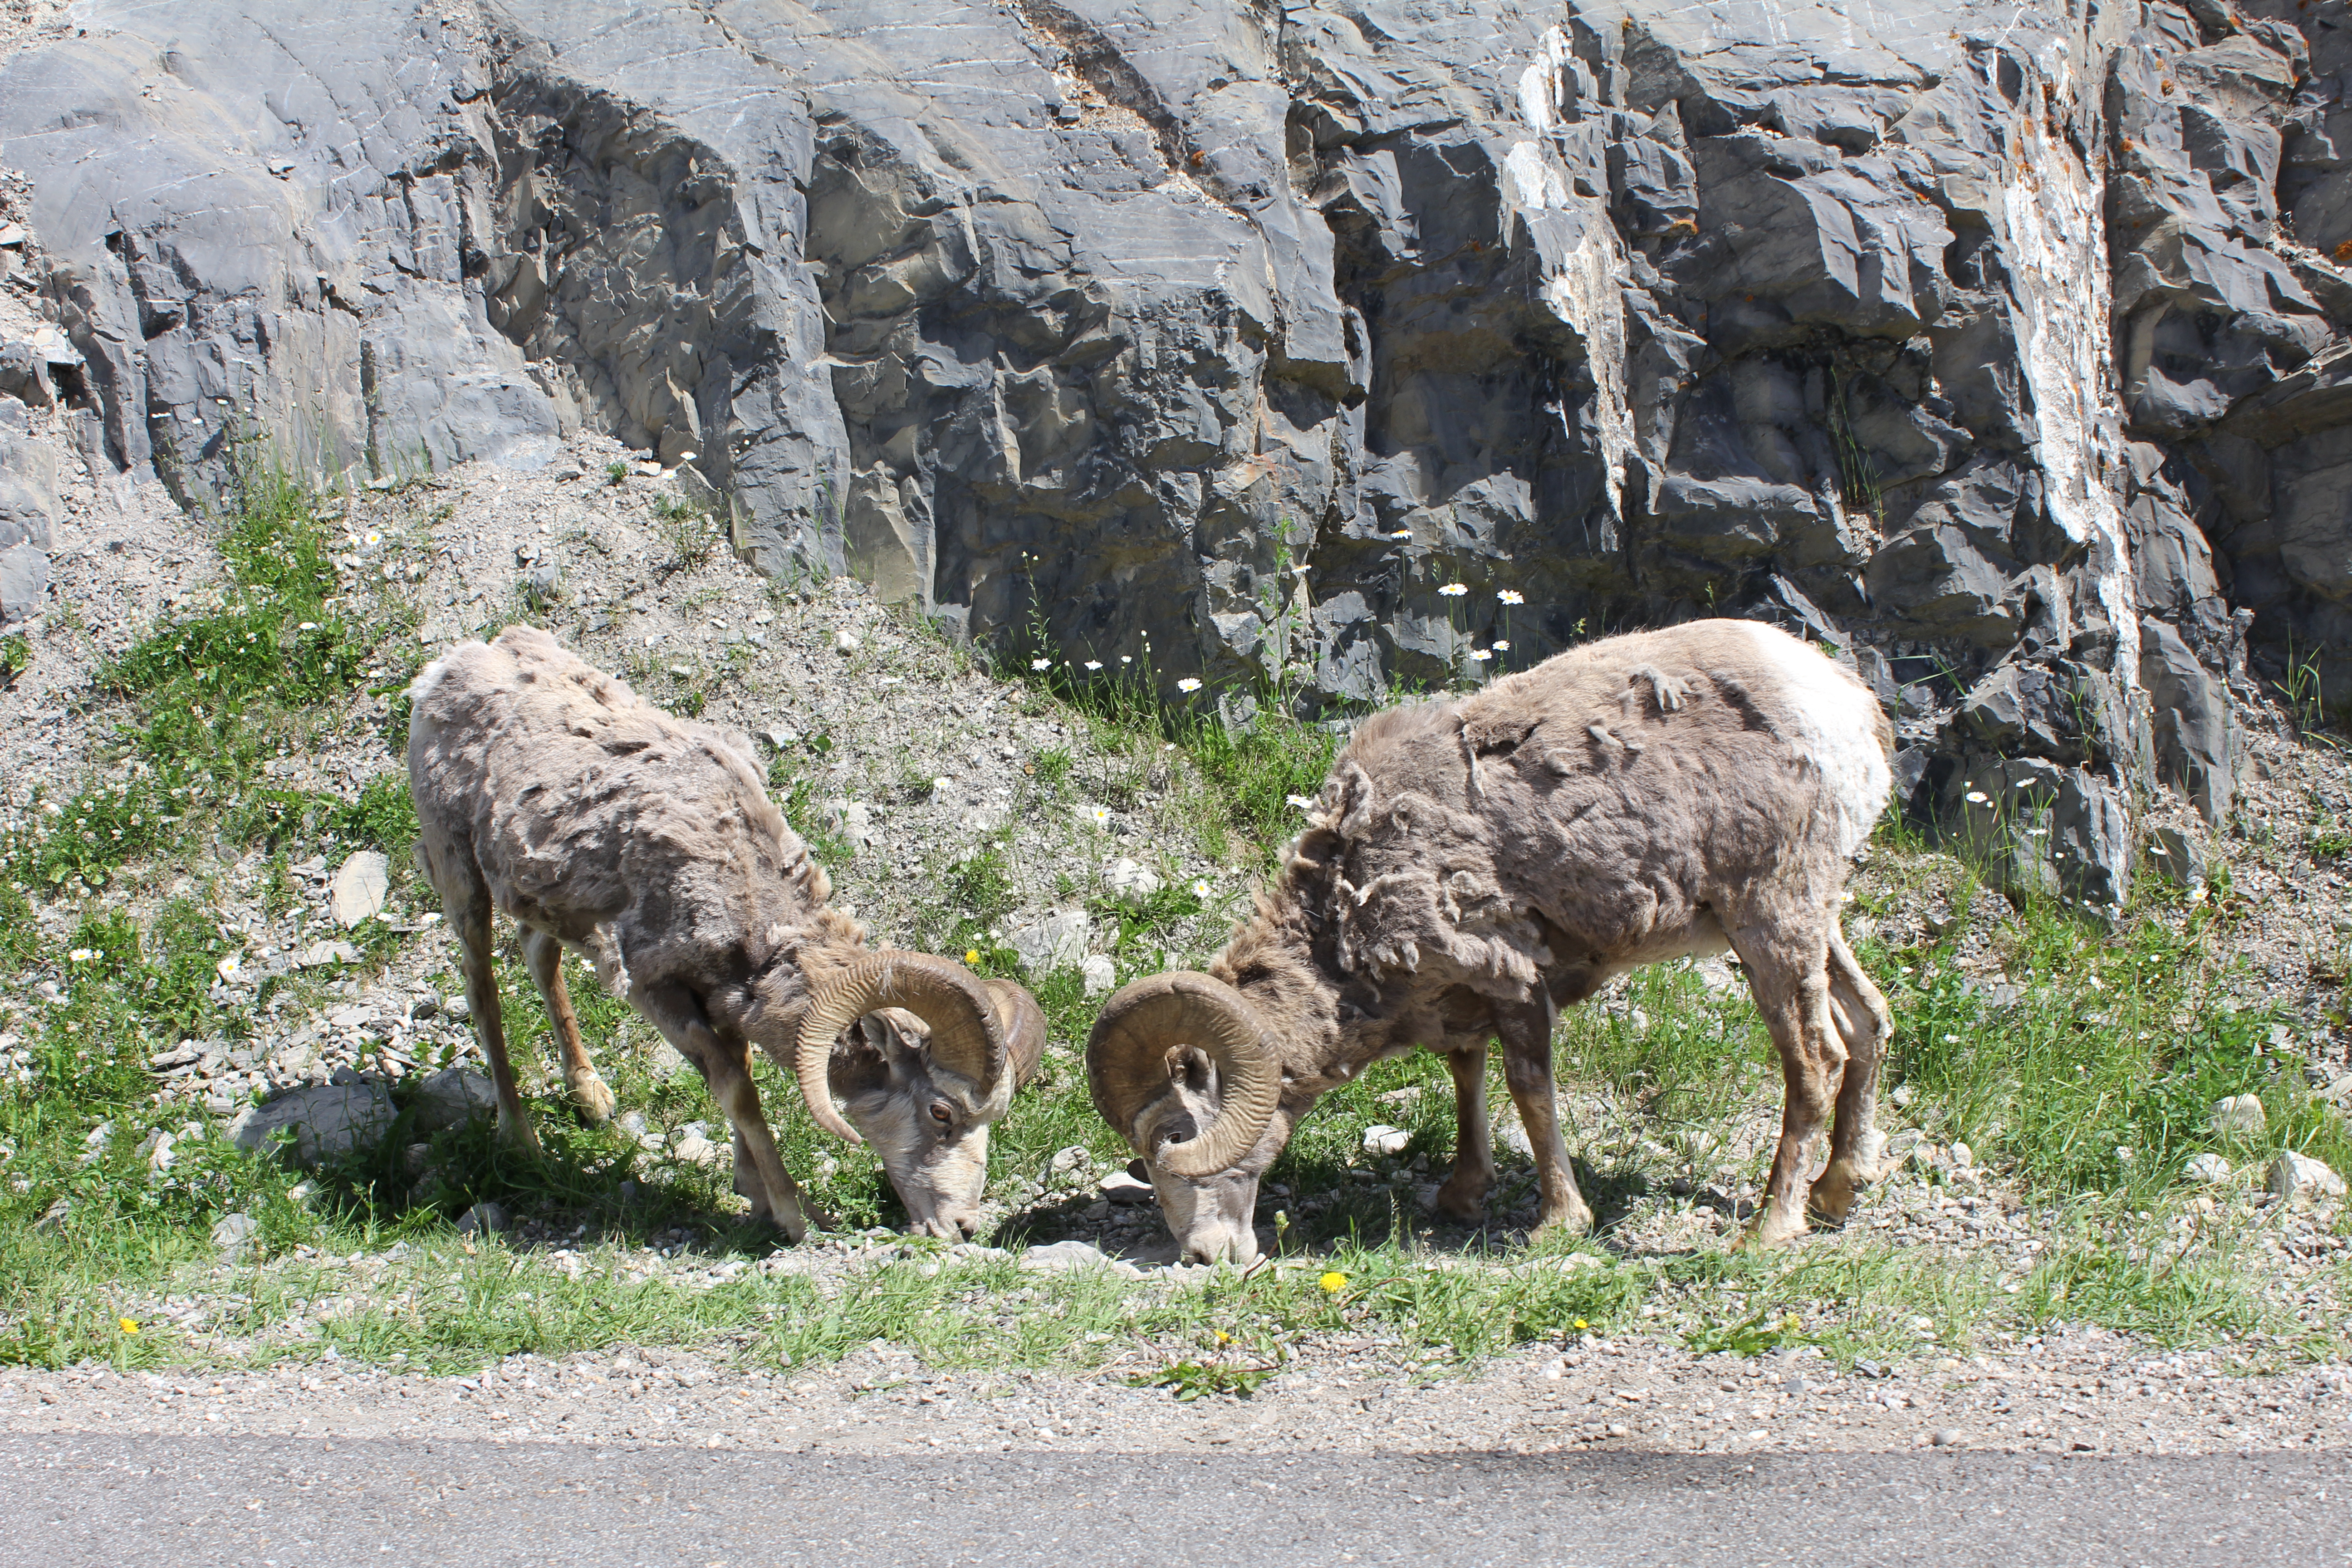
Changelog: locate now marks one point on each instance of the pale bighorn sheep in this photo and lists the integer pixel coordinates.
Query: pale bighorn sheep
(1474, 863)
(550, 791)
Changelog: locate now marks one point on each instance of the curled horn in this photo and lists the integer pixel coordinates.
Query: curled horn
(1024, 1023)
(1127, 1065)
(968, 1032)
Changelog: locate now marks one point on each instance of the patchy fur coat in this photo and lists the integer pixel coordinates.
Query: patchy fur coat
(1609, 808)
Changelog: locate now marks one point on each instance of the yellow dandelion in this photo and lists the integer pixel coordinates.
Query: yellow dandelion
(970, 956)
(1223, 1338)
(1580, 1322)
(1334, 1281)
(127, 1325)
(1792, 1323)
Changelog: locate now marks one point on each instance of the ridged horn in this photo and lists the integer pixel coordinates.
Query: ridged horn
(1127, 1065)
(1024, 1023)
(967, 1036)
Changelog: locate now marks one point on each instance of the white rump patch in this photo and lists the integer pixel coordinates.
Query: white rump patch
(1838, 719)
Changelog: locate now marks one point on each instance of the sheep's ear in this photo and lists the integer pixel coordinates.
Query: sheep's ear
(1355, 814)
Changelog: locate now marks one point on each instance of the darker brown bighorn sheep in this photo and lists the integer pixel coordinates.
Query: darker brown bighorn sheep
(646, 844)
(1474, 863)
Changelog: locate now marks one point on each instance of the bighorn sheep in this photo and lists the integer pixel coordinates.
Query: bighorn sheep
(548, 790)
(1472, 864)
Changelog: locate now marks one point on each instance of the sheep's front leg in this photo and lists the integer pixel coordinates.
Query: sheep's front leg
(726, 1067)
(544, 955)
(470, 915)
(1526, 1035)
(1464, 1195)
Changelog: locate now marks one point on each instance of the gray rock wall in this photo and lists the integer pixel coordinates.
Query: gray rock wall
(1998, 350)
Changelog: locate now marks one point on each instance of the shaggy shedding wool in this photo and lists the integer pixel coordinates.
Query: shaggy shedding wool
(1615, 805)
(645, 841)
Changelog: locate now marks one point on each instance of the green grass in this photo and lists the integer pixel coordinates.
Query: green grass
(2083, 1094)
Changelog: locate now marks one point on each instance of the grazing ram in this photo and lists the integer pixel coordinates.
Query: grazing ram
(550, 791)
(1474, 863)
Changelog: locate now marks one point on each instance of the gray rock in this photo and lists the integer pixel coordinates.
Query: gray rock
(2175, 856)
(1130, 878)
(2238, 1116)
(485, 1218)
(360, 888)
(1809, 314)
(2205, 1168)
(1057, 940)
(695, 1149)
(232, 1234)
(1069, 1255)
(1383, 1139)
(1120, 1187)
(2300, 1179)
(329, 1121)
(1099, 972)
(452, 1097)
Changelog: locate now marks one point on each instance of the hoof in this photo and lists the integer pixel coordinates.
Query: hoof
(1769, 1232)
(1831, 1198)
(593, 1098)
(1463, 1201)
(1569, 1219)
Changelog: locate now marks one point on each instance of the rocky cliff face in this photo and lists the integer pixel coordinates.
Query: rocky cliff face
(2000, 348)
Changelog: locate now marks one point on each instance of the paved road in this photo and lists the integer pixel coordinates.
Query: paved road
(293, 1503)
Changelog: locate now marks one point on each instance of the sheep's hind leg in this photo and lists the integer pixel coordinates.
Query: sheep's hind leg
(1864, 1023)
(1464, 1195)
(726, 1068)
(1791, 980)
(470, 915)
(1526, 1035)
(544, 955)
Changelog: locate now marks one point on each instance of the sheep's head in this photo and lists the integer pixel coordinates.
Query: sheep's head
(925, 1056)
(1181, 1064)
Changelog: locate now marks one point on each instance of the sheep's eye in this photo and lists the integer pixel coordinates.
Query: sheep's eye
(940, 1113)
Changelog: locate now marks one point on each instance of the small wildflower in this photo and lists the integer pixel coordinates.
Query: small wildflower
(2196, 895)
(1299, 802)
(1401, 533)
(1455, 590)
(1792, 1323)
(313, 626)
(1978, 797)
(1502, 645)
(1041, 664)
(1512, 597)
(1127, 658)
(1094, 664)
(127, 1325)
(1099, 815)
(82, 954)
(1223, 1338)
(970, 956)
(1188, 686)
(1580, 1325)
(1201, 889)
(1334, 1282)
(374, 538)
(229, 966)
(1481, 655)
(1951, 1039)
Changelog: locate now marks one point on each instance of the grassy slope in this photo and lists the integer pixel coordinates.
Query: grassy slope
(2085, 1095)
